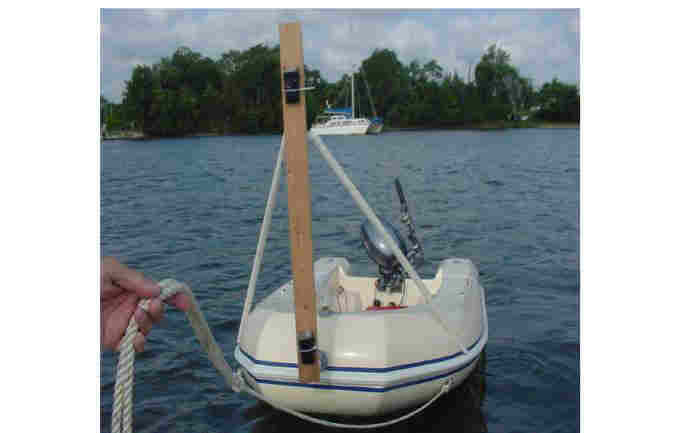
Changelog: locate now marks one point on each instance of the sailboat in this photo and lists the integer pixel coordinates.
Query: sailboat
(341, 121)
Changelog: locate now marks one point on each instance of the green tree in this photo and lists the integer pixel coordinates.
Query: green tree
(558, 102)
(241, 92)
(211, 112)
(387, 79)
(253, 84)
(103, 109)
(497, 80)
(453, 90)
(314, 99)
(138, 97)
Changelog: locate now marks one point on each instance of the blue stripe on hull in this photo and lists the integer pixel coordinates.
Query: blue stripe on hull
(363, 388)
(364, 369)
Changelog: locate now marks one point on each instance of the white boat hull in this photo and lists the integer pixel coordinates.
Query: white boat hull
(360, 129)
(376, 361)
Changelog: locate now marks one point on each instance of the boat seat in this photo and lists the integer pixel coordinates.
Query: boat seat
(346, 301)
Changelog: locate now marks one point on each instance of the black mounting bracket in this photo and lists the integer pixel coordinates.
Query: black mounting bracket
(292, 85)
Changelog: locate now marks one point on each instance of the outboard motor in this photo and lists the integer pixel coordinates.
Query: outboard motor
(391, 272)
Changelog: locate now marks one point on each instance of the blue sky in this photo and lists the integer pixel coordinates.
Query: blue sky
(543, 43)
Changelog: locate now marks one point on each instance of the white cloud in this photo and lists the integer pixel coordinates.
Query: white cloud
(158, 15)
(413, 39)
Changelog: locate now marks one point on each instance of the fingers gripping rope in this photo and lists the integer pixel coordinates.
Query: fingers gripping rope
(121, 420)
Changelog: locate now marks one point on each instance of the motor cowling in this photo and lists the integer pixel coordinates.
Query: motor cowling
(377, 246)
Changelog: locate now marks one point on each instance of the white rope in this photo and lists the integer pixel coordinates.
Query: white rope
(444, 389)
(121, 419)
(262, 240)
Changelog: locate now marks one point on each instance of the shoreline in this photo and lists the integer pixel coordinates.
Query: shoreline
(126, 135)
(485, 126)
(491, 126)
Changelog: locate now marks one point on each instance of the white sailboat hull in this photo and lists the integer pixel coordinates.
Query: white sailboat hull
(376, 361)
(356, 129)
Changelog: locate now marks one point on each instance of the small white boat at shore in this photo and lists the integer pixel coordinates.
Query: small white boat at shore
(342, 121)
(339, 124)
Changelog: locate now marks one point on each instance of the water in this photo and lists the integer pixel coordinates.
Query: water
(191, 208)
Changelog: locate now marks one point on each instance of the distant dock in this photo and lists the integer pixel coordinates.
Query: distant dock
(125, 135)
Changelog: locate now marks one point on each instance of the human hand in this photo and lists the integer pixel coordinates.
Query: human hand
(121, 290)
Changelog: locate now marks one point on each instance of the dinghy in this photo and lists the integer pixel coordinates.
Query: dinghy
(383, 345)
(376, 359)
(344, 344)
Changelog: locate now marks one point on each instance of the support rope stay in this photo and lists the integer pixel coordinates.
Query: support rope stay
(262, 239)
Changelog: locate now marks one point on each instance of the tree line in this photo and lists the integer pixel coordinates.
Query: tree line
(240, 92)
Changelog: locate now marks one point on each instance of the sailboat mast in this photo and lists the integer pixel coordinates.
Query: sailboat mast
(352, 92)
(371, 101)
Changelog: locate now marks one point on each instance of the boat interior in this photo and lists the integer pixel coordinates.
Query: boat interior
(348, 294)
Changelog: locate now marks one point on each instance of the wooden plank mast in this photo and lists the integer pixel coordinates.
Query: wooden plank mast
(300, 236)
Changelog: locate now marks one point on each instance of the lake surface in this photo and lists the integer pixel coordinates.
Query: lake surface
(191, 209)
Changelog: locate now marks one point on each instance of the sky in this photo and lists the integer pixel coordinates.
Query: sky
(543, 43)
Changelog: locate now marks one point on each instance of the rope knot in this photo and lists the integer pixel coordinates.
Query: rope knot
(170, 287)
